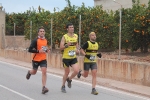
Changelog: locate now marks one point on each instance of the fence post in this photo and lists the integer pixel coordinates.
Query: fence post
(14, 35)
(31, 31)
(51, 34)
(3, 37)
(79, 32)
(2, 25)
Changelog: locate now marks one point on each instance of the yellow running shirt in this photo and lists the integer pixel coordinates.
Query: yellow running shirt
(70, 52)
(92, 51)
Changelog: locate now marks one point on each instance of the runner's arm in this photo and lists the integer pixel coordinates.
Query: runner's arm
(99, 54)
(33, 47)
(83, 48)
(62, 42)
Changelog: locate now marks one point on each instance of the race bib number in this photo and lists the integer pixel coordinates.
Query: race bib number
(92, 58)
(71, 53)
(44, 48)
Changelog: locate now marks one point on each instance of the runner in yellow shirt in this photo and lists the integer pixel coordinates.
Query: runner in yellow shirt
(89, 50)
(69, 45)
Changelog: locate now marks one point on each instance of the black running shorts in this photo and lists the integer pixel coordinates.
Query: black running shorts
(69, 62)
(36, 64)
(91, 66)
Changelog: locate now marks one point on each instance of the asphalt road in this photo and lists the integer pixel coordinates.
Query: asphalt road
(14, 86)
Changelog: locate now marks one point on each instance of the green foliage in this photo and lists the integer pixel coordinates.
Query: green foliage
(135, 24)
(19, 20)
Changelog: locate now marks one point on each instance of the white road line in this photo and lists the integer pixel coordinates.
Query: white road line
(16, 92)
(105, 88)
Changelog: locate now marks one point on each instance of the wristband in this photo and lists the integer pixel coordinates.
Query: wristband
(66, 45)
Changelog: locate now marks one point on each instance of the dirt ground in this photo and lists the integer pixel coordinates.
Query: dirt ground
(135, 56)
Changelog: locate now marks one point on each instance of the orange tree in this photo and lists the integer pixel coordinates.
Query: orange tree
(19, 19)
(38, 18)
(140, 24)
(135, 24)
(93, 19)
(126, 27)
(139, 27)
(146, 29)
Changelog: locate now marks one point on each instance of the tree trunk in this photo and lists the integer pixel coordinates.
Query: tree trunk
(145, 48)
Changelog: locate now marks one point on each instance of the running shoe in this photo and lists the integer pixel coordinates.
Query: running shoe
(63, 89)
(94, 91)
(28, 75)
(79, 74)
(44, 90)
(69, 82)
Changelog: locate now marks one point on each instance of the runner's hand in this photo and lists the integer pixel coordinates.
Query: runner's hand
(99, 55)
(48, 51)
(41, 51)
(87, 56)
